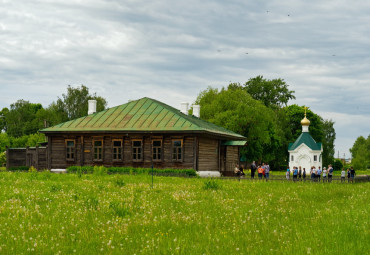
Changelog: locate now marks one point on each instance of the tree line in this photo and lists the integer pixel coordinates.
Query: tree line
(258, 110)
(361, 153)
(20, 123)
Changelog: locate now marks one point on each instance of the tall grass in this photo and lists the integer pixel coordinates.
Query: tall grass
(94, 214)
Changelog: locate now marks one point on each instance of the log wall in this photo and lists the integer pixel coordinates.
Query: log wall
(84, 151)
(208, 155)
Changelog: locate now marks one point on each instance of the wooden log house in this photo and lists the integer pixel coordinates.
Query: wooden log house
(143, 133)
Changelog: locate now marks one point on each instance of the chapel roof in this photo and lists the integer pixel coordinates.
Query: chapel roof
(306, 139)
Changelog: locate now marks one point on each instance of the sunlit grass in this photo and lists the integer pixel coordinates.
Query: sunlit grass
(47, 213)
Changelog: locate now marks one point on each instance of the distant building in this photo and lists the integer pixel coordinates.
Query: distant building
(305, 151)
(140, 133)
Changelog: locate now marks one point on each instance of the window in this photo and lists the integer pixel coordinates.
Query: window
(177, 150)
(117, 150)
(98, 150)
(157, 150)
(292, 158)
(70, 150)
(137, 150)
(315, 158)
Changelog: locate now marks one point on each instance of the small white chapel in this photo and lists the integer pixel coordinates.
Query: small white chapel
(305, 151)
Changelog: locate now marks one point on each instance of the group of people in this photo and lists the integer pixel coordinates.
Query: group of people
(262, 170)
(299, 174)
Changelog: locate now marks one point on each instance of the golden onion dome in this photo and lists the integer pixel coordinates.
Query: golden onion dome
(305, 122)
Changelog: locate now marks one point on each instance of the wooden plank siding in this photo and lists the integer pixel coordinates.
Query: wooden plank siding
(21, 157)
(232, 157)
(57, 146)
(208, 154)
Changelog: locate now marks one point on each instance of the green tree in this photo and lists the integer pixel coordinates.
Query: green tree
(236, 110)
(21, 118)
(3, 113)
(5, 141)
(361, 153)
(328, 142)
(74, 104)
(321, 130)
(273, 93)
(295, 114)
(337, 164)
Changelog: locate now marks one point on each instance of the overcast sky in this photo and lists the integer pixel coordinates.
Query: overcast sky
(172, 50)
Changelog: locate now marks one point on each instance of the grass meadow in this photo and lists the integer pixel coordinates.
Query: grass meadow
(47, 213)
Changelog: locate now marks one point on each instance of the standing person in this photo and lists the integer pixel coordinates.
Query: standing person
(300, 173)
(348, 174)
(318, 174)
(353, 174)
(304, 174)
(260, 172)
(295, 174)
(267, 171)
(343, 176)
(287, 174)
(253, 169)
(324, 173)
(330, 173)
(313, 174)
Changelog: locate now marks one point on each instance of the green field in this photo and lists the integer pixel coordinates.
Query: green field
(46, 213)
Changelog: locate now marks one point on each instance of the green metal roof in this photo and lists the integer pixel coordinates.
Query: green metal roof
(143, 115)
(307, 139)
(234, 143)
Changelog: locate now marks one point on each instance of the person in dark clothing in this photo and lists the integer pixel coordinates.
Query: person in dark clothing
(348, 174)
(304, 174)
(353, 174)
(241, 171)
(300, 174)
(253, 169)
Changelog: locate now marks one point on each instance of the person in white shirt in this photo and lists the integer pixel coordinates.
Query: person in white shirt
(324, 173)
(343, 175)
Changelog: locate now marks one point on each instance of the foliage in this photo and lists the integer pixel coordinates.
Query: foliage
(31, 140)
(32, 169)
(337, 165)
(74, 104)
(236, 110)
(211, 184)
(130, 170)
(361, 153)
(178, 216)
(21, 119)
(100, 170)
(272, 93)
(18, 168)
(328, 142)
(2, 158)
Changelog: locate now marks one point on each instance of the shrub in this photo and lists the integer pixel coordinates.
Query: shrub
(100, 170)
(211, 184)
(19, 168)
(131, 170)
(32, 169)
(119, 182)
(119, 209)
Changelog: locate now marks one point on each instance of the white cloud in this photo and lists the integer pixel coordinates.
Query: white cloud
(172, 50)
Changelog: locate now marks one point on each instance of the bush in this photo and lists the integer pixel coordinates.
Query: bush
(100, 170)
(131, 170)
(18, 168)
(2, 158)
(211, 184)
